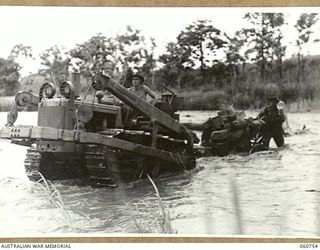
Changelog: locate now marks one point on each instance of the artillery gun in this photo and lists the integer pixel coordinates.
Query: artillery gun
(231, 132)
(94, 142)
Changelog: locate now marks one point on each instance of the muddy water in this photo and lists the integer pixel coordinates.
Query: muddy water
(271, 193)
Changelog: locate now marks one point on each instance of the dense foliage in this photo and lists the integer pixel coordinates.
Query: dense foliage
(204, 64)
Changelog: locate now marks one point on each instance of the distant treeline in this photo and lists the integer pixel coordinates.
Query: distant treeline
(204, 64)
(249, 91)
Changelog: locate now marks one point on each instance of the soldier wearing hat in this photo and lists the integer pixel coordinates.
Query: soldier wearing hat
(140, 89)
(273, 118)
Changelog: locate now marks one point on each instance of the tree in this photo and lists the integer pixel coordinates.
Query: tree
(278, 53)
(95, 55)
(127, 52)
(56, 63)
(149, 64)
(9, 76)
(304, 27)
(135, 52)
(21, 50)
(278, 49)
(9, 69)
(23, 55)
(264, 39)
(233, 55)
(174, 60)
(201, 40)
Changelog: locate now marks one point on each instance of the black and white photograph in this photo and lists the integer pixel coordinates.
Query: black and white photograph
(143, 121)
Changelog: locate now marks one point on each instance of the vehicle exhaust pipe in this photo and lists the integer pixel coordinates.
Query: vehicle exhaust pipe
(75, 80)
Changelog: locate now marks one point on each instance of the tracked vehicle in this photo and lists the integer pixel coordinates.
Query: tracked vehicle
(98, 142)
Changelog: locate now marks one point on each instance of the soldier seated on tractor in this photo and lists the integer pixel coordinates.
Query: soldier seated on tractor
(142, 91)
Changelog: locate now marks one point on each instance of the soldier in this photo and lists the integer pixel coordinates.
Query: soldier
(143, 92)
(141, 89)
(273, 118)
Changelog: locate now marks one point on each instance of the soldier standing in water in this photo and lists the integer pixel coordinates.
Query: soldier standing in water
(273, 118)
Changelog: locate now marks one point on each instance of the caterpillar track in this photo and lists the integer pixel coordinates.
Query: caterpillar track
(92, 167)
(97, 165)
(32, 164)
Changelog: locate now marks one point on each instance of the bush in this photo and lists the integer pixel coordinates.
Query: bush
(309, 91)
(241, 101)
(259, 92)
(198, 100)
(289, 92)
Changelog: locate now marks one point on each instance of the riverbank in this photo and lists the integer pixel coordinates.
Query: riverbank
(212, 100)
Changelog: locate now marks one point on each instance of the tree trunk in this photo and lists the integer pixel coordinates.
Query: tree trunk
(243, 71)
(299, 68)
(303, 64)
(280, 68)
(152, 80)
(179, 79)
(202, 66)
(5, 87)
(235, 75)
(263, 59)
(299, 63)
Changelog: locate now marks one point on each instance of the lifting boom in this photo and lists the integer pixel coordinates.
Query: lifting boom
(102, 82)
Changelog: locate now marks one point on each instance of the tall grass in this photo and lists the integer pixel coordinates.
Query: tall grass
(164, 220)
(299, 97)
(204, 100)
(55, 198)
(147, 219)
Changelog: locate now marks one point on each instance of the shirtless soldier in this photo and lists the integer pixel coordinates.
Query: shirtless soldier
(140, 89)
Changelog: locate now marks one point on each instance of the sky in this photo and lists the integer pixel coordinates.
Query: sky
(43, 27)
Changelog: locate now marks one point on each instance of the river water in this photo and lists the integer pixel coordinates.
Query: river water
(273, 193)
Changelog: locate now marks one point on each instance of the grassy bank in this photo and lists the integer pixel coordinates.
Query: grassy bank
(205, 99)
(304, 106)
